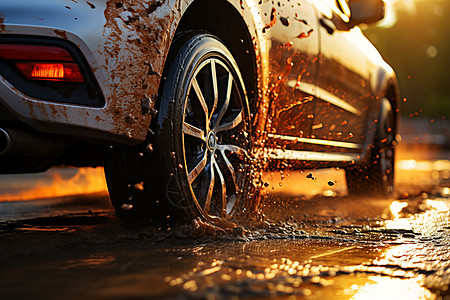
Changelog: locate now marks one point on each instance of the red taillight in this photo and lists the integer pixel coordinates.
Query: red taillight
(50, 71)
(47, 63)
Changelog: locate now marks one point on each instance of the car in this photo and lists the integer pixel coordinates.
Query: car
(184, 103)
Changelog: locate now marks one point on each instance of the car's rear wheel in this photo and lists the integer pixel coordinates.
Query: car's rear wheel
(377, 177)
(200, 159)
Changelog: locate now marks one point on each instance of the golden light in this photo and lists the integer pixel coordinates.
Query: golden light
(446, 191)
(391, 8)
(392, 288)
(85, 181)
(437, 205)
(396, 207)
(409, 164)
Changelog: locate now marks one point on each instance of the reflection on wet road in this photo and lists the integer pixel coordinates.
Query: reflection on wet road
(318, 244)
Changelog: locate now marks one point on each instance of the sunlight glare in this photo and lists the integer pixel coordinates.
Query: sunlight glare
(392, 288)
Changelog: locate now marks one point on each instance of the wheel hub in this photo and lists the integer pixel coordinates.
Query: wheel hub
(211, 141)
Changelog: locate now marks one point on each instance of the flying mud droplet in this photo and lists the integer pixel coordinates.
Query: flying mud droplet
(139, 187)
(126, 207)
(284, 21)
(149, 148)
(310, 176)
(289, 45)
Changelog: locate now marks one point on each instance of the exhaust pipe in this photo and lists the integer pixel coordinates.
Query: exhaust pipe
(17, 142)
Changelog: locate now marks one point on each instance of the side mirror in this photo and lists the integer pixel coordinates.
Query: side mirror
(366, 11)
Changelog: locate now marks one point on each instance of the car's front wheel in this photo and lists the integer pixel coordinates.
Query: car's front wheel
(200, 159)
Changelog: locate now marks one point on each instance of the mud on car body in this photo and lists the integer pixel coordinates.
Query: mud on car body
(185, 101)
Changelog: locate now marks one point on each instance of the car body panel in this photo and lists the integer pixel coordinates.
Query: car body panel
(302, 101)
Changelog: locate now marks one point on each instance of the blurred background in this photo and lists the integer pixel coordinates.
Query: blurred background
(414, 39)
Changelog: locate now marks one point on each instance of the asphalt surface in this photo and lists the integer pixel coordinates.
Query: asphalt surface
(312, 242)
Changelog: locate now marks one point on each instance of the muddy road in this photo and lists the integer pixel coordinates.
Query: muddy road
(313, 242)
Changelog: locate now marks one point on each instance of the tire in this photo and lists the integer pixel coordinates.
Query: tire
(377, 177)
(200, 163)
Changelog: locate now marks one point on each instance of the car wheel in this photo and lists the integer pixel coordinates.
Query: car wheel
(377, 178)
(200, 159)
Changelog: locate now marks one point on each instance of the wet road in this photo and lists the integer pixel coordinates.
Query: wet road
(318, 244)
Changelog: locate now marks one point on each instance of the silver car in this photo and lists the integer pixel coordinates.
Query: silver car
(185, 102)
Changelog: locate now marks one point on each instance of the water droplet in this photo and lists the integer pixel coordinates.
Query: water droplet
(149, 148)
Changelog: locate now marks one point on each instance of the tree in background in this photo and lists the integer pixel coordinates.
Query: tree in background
(417, 45)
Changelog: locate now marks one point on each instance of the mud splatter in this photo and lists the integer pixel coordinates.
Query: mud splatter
(295, 104)
(301, 21)
(289, 45)
(136, 33)
(61, 33)
(305, 34)
(284, 21)
(273, 19)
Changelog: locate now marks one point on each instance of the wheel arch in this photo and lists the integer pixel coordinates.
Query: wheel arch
(222, 19)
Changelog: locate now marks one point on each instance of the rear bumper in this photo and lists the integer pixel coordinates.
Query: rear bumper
(120, 66)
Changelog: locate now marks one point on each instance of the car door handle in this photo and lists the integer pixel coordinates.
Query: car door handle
(328, 25)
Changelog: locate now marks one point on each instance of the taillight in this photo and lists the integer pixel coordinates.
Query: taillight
(47, 63)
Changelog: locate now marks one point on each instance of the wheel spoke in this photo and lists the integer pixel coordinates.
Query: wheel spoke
(232, 148)
(198, 168)
(210, 189)
(223, 212)
(230, 167)
(215, 88)
(200, 97)
(193, 131)
(230, 125)
(227, 102)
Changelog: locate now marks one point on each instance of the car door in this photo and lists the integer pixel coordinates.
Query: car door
(293, 34)
(343, 85)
